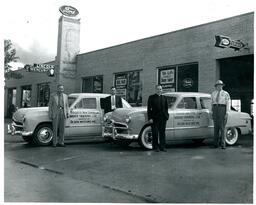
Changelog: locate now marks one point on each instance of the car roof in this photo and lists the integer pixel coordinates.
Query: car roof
(88, 95)
(187, 94)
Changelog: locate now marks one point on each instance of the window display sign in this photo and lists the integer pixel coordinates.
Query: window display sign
(121, 84)
(167, 79)
(167, 76)
(121, 92)
(129, 87)
(121, 80)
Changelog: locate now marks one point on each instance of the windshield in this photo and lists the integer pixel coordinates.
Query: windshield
(126, 104)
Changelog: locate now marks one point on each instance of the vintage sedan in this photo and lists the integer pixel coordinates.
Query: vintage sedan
(189, 118)
(84, 122)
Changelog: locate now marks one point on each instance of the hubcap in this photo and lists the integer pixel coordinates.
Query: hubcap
(231, 136)
(45, 135)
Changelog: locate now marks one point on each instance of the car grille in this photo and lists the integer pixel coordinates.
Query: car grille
(116, 124)
(18, 123)
(119, 127)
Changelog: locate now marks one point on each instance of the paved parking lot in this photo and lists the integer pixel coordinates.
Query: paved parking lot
(103, 172)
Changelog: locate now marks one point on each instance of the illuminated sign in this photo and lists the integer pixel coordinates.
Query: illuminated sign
(227, 42)
(69, 11)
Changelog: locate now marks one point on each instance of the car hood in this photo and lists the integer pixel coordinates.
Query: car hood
(20, 113)
(121, 114)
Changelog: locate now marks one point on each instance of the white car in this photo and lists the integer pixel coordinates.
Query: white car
(189, 118)
(84, 122)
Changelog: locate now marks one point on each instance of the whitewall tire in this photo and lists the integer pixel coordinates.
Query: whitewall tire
(232, 135)
(145, 139)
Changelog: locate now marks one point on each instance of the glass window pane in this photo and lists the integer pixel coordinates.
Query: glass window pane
(89, 103)
(188, 103)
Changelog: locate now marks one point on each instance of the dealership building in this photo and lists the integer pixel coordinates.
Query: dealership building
(187, 60)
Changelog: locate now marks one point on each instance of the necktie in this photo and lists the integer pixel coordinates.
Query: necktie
(218, 97)
(160, 101)
(58, 99)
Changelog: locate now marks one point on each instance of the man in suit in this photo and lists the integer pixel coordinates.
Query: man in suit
(58, 113)
(220, 108)
(157, 110)
(112, 102)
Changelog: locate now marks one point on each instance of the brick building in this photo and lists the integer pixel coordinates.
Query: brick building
(183, 60)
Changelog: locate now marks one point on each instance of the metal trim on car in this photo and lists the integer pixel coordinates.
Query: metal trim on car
(21, 132)
(114, 135)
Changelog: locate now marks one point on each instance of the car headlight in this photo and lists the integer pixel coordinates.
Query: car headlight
(128, 119)
(105, 118)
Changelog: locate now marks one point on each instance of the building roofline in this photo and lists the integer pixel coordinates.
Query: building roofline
(163, 34)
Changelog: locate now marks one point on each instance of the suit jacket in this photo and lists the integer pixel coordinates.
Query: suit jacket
(155, 110)
(53, 105)
(106, 103)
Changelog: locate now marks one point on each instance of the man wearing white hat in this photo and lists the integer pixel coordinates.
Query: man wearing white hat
(220, 107)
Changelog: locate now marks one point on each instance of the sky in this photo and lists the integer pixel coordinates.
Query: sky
(32, 25)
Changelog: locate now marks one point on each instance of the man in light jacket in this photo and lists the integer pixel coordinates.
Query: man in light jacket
(58, 113)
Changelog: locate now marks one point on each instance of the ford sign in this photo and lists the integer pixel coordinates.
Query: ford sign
(69, 11)
(187, 83)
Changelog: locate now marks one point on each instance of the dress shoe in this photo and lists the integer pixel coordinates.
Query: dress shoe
(163, 150)
(223, 147)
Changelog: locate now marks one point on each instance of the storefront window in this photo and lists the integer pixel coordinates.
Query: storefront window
(26, 96)
(11, 101)
(129, 87)
(188, 78)
(43, 94)
(93, 84)
(181, 78)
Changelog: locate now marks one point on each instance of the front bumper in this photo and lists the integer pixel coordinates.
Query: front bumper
(117, 131)
(15, 128)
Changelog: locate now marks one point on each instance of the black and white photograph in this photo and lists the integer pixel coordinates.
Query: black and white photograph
(132, 101)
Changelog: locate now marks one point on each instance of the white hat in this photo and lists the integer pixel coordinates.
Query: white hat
(219, 82)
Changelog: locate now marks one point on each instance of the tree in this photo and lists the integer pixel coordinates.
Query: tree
(10, 56)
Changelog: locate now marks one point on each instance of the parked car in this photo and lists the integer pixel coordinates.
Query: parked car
(85, 120)
(189, 118)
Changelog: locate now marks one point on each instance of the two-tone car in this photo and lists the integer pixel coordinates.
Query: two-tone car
(189, 118)
(84, 122)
